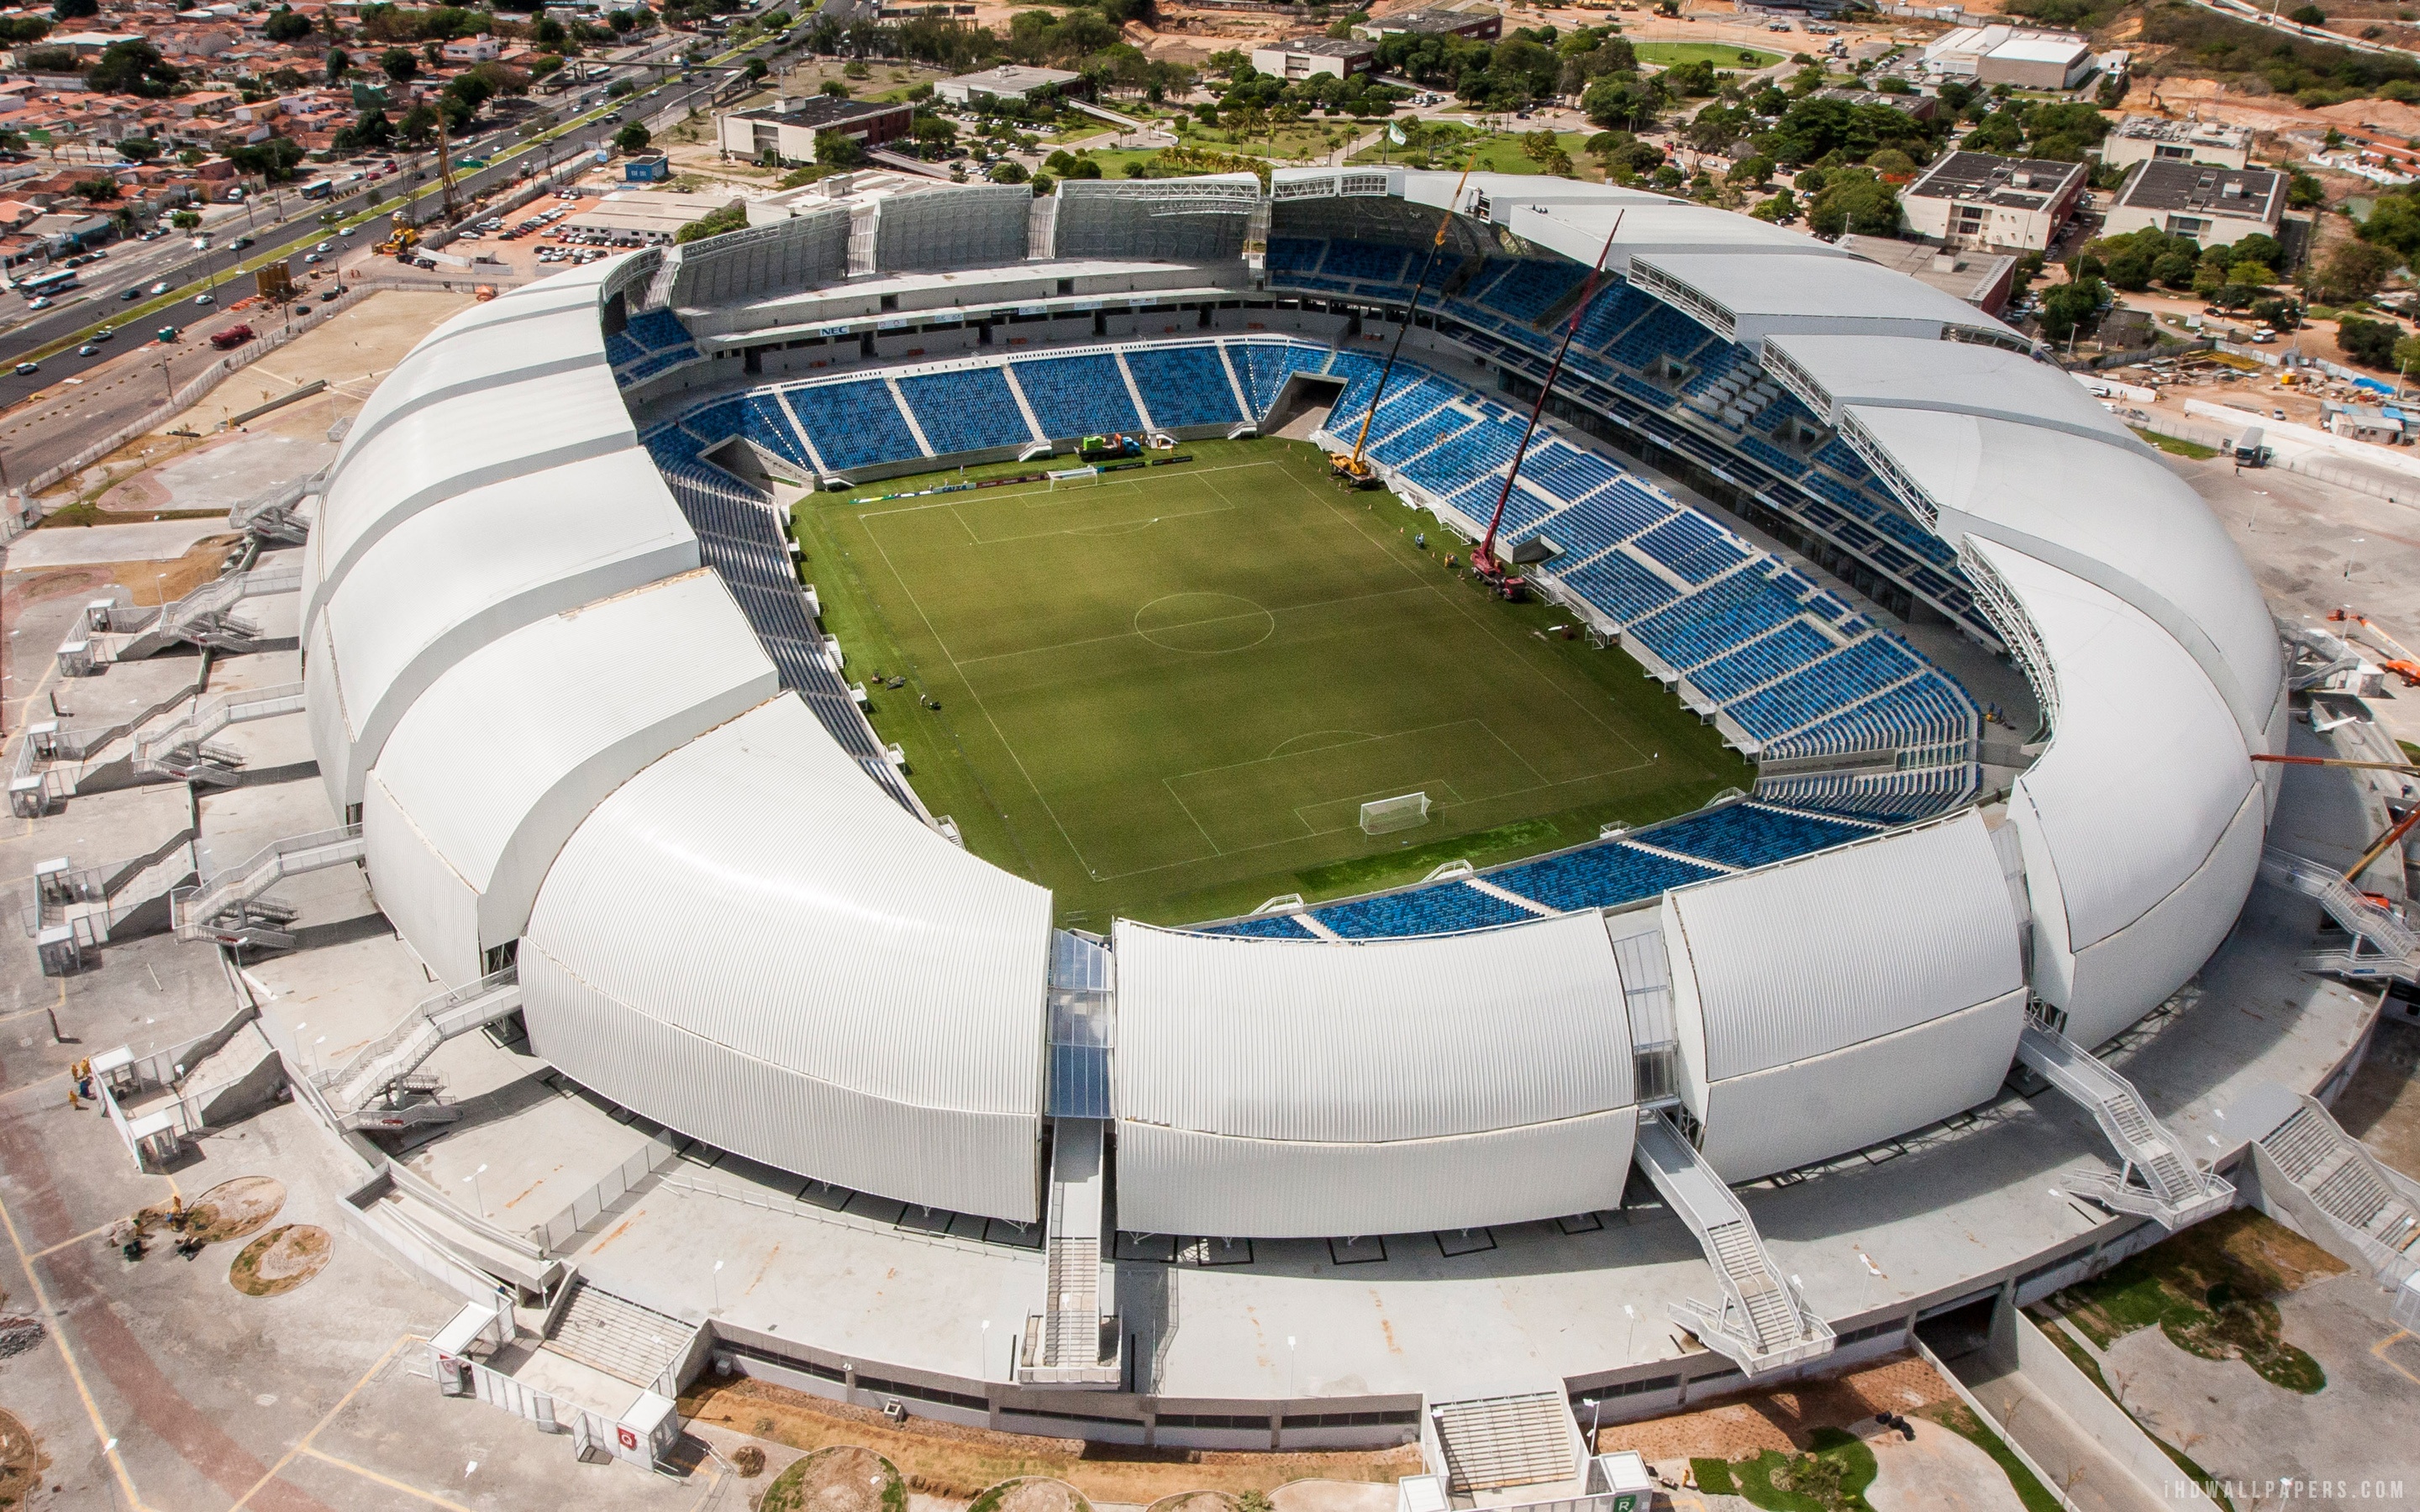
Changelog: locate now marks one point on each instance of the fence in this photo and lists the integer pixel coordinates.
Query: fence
(2308, 464)
(586, 1209)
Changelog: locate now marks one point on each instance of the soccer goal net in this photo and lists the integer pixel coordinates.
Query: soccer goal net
(1383, 816)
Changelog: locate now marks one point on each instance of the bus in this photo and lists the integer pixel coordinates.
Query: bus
(42, 286)
(321, 189)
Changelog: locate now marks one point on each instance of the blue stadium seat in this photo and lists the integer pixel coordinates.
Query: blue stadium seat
(764, 422)
(1264, 927)
(968, 410)
(1786, 650)
(1845, 677)
(657, 330)
(1531, 286)
(1747, 834)
(1266, 365)
(1077, 395)
(1708, 623)
(1440, 909)
(1691, 546)
(1597, 876)
(1294, 255)
(1365, 261)
(1184, 385)
(854, 423)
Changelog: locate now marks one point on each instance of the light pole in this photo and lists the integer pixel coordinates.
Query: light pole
(473, 1182)
(983, 1352)
(1290, 1366)
(2347, 561)
(716, 1276)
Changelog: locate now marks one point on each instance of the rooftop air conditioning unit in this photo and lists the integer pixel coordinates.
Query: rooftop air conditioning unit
(2233, 190)
(2020, 180)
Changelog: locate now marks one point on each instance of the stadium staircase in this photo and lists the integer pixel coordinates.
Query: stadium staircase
(388, 1068)
(205, 617)
(276, 515)
(1489, 1443)
(1075, 1341)
(2372, 1208)
(2155, 1178)
(2383, 946)
(228, 908)
(617, 1335)
(1762, 1324)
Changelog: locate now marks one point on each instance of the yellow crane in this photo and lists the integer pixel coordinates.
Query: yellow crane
(1349, 469)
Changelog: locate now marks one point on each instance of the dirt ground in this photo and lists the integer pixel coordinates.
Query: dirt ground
(21, 1462)
(2382, 1106)
(1743, 1427)
(1037, 1495)
(839, 1479)
(946, 1460)
(280, 1260)
(1195, 1502)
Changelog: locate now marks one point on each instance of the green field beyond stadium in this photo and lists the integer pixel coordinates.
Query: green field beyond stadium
(1166, 694)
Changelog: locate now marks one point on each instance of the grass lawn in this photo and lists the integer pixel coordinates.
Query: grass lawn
(1166, 695)
(1499, 153)
(2176, 445)
(1721, 55)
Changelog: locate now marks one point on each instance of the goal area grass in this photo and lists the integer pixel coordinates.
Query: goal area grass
(1165, 694)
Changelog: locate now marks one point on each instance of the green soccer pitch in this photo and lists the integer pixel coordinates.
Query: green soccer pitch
(1166, 694)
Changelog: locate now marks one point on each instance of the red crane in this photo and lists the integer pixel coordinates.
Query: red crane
(1483, 561)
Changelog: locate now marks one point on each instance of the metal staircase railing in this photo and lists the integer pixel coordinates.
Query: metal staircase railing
(204, 616)
(395, 1056)
(199, 910)
(2373, 1207)
(1761, 1322)
(271, 516)
(2393, 946)
(157, 751)
(2155, 1178)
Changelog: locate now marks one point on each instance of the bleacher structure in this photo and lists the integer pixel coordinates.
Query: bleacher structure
(1781, 666)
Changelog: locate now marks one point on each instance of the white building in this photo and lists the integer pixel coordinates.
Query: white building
(2020, 56)
(1975, 199)
(1007, 81)
(1301, 57)
(2159, 139)
(2212, 206)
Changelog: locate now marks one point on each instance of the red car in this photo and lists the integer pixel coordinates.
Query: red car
(232, 336)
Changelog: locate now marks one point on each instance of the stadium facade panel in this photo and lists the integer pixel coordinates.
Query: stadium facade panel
(739, 928)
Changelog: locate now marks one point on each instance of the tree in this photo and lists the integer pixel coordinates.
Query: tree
(131, 67)
(834, 149)
(2281, 315)
(2072, 306)
(2406, 355)
(1781, 208)
(283, 26)
(339, 64)
(138, 150)
(834, 88)
(74, 9)
(757, 69)
(1620, 104)
(2307, 15)
(720, 222)
(632, 138)
(418, 126)
(2370, 343)
(398, 64)
(93, 190)
(1008, 170)
(1853, 199)
(2354, 271)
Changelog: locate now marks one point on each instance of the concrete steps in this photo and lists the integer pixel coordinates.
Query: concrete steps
(1493, 1442)
(617, 1336)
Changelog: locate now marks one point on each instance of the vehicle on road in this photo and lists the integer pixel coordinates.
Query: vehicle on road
(310, 258)
(205, 299)
(232, 337)
(87, 349)
(166, 334)
(161, 288)
(104, 333)
(24, 368)
(40, 304)
(57, 280)
(239, 243)
(133, 291)
(328, 294)
(324, 248)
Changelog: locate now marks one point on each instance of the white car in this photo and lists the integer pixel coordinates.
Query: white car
(41, 303)
(205, 299)
(324, 247)
(310, 258)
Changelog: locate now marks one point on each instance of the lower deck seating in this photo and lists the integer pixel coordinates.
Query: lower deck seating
(1074, 397)
(1184, 385)
(855, 423)
(967, 410)
(1442, 909)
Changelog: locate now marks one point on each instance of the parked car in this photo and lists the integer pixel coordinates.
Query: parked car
(233, 336)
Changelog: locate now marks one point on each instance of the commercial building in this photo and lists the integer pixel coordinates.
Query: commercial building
(642, 218)
(2212, 206)
(2157, 139)
(2018, 56)
(1007, 81)
(788, 130)
(1975, 199)
(1915, 107)
(1301, 57)
(1980, 278)
(1480, 23)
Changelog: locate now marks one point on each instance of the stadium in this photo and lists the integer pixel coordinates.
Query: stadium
(1975, 686)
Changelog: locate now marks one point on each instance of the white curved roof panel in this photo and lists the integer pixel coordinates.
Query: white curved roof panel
(417, 602)
(500, 760)
(2113, 515)
(1798, 960)
(508, 430)
(1959, 376)
(554, 339)
(1776, 291)
(753, 889)
(1374, 1041)
(1179, 1181)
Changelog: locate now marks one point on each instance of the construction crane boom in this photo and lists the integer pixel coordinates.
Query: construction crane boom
(1352, 470)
